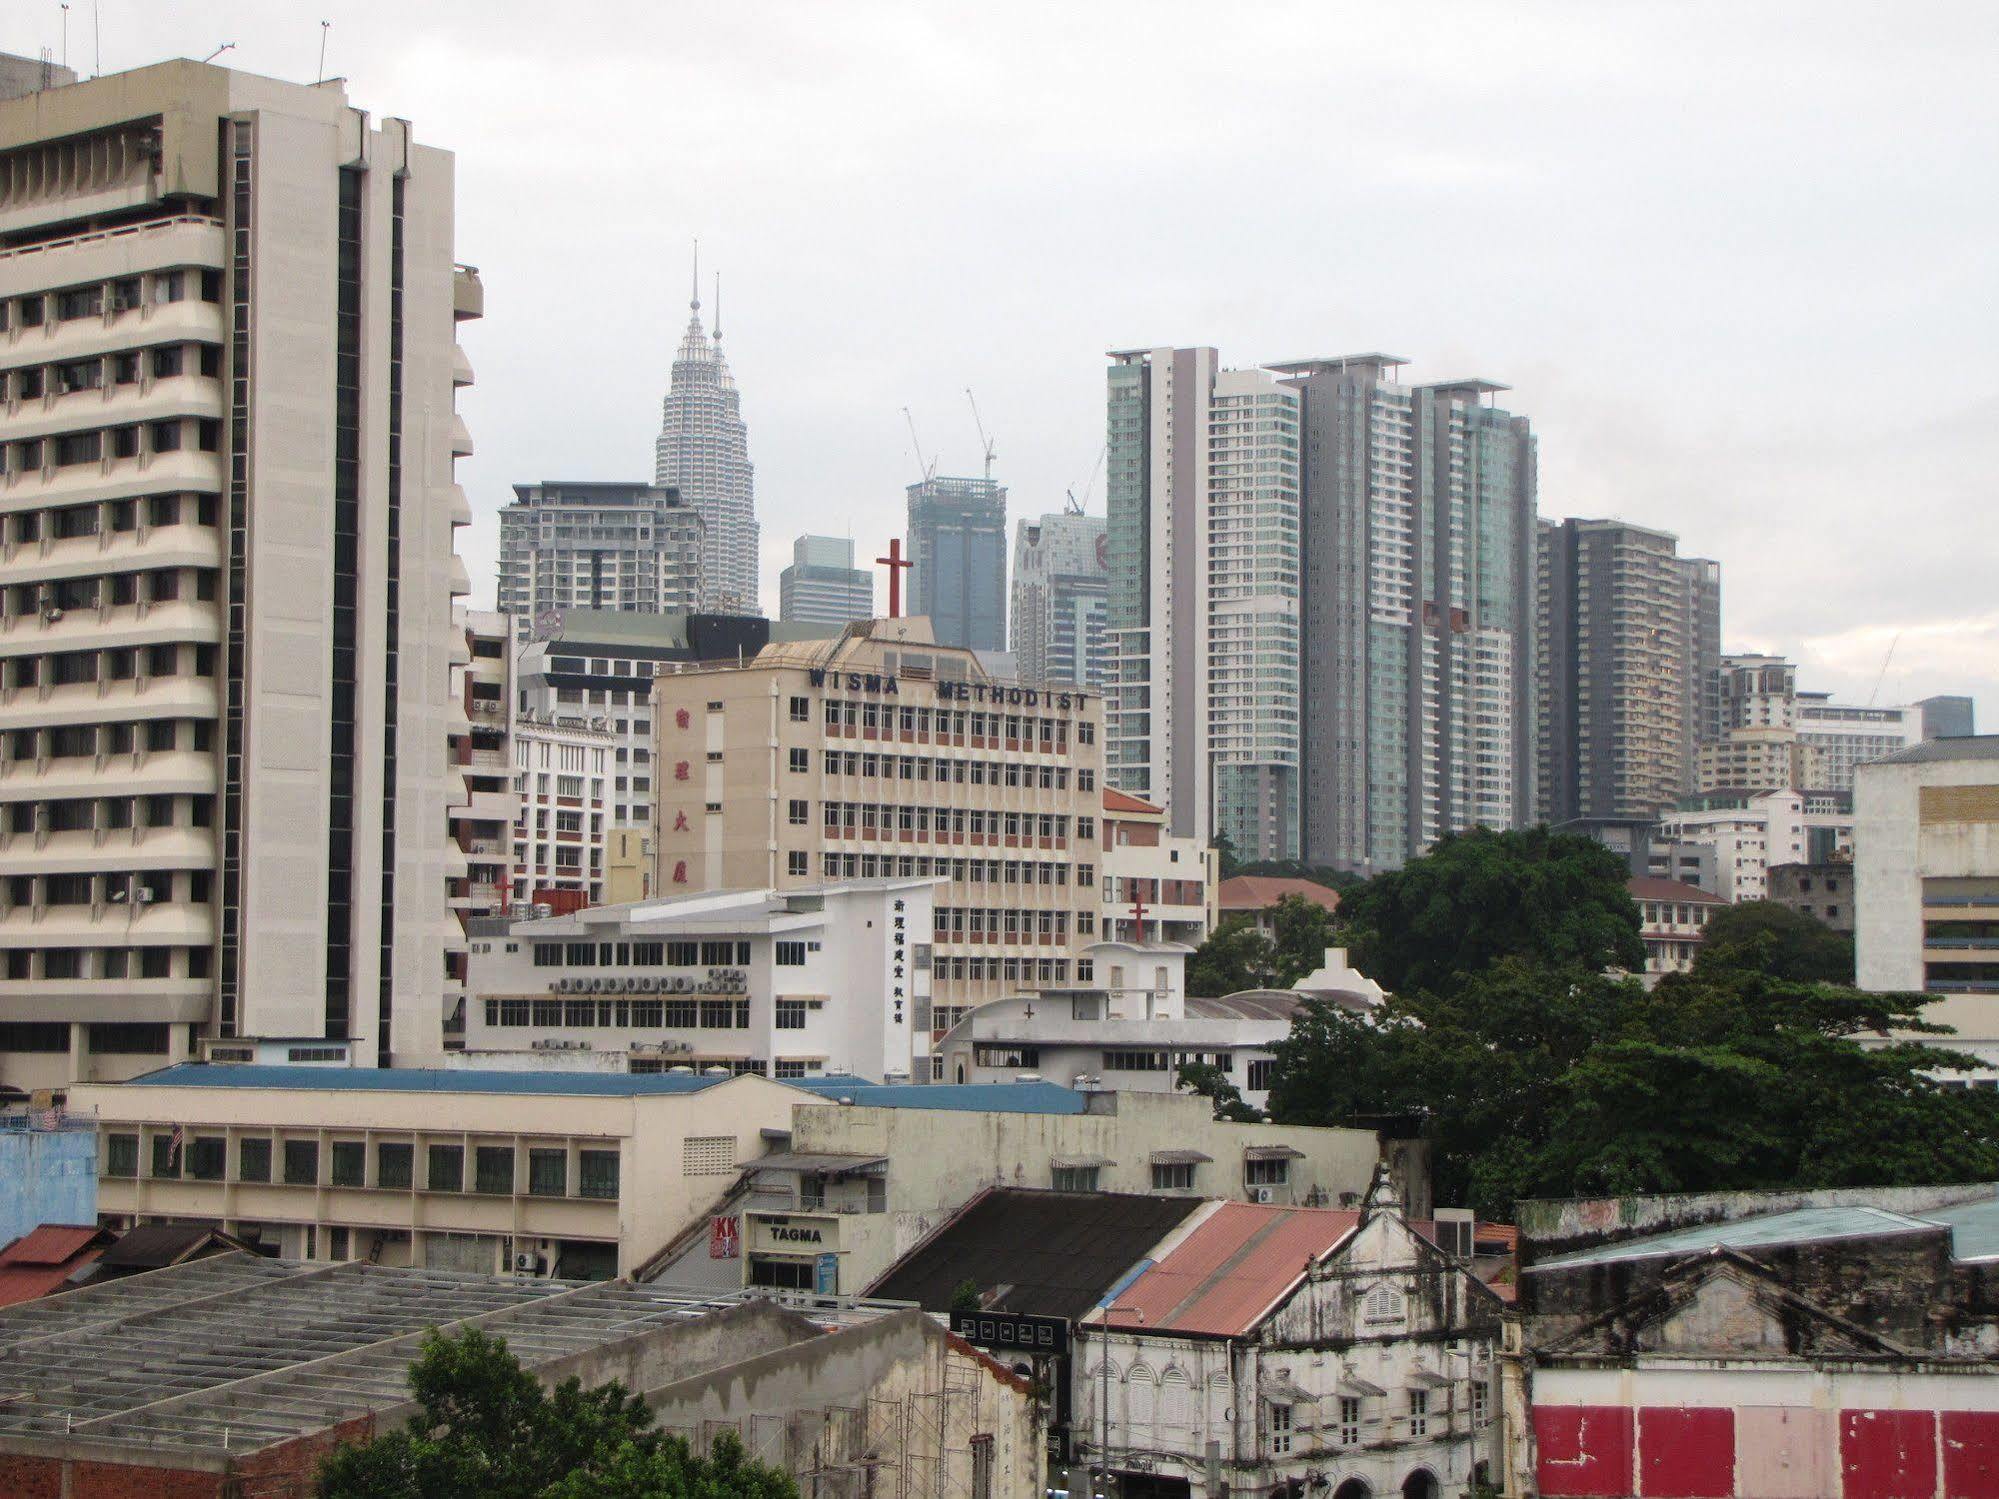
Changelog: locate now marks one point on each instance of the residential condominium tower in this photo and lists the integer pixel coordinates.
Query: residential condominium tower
(1418, 652)
(703, 451)
(1203, 551)
(1618, 674)
(1060, 589)
(957, 545)
(227, 582)
(565, 544)
(822, 586)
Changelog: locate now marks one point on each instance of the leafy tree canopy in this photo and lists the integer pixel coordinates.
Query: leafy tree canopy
(1541, 1082)
(1211, 1082)
(1549, 898)
(1238, 956)
(486, 1426)
(1774, 939)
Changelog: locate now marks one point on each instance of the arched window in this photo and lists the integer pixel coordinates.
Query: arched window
(1382, 1305)
(1221, 1400)
(1353, 1488)
(1140, 1404)
(1420, 1484)
(1175, 1408)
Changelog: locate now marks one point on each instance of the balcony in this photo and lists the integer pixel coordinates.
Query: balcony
(468, 294)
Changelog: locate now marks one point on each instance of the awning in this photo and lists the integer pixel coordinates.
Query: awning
(816, 1163)
(1272, 1153)
(1282, 1391)
(1079, 1162)
(1180, 1158)
(1360, 1389)
(1426, 1379)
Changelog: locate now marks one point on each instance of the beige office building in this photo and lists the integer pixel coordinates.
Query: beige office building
(547, 1173)
(227, 389)
(884, 755)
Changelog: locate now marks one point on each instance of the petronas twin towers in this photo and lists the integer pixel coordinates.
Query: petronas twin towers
(704, 452)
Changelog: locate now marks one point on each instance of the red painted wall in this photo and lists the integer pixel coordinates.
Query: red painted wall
(1686, 1452)
(1888, 1454)
(1583, 1451)
(1970, 1454)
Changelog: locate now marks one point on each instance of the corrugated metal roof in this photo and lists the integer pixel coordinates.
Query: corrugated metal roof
(20, 1283)
(1052, 1254)
(1227, 1274)
(1974, 1228)
(997, 1098)
(1798, 1226)
(1256, 892)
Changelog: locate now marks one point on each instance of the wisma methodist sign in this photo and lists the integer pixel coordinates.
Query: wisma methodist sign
(993, 693)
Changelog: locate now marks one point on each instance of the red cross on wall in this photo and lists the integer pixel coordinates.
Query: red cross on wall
(895, 562)
(1137, 914)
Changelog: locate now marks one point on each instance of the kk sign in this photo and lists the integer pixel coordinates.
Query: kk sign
(725, 1238)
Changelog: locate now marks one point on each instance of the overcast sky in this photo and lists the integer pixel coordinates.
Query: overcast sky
(1737, 262)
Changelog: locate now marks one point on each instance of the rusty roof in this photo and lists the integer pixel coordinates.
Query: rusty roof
(52, 1244)
(1257, 892)
(1228, 1274)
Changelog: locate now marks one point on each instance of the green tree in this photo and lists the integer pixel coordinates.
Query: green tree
(1549, 898)
(485, 1425)
(1302, 931)
(1539, 1082)
(1211, 1082)
(965, 1296)
(1765, 937)
(1227, 865)
(1235, 956)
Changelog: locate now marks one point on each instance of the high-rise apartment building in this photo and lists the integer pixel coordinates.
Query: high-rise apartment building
(1846, 735)
(957, 547)
(635, 548)
(822, 586)
(1618, 681)
(703, 451)
(1948, 716)
(1202, 542)
(1060, 594)
(1419, 599)
(227, 582)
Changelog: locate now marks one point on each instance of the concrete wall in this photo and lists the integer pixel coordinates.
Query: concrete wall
(46, 1176)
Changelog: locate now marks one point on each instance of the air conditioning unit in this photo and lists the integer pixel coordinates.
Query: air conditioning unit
(649, 986)
(602, 986)
(563, 986)
(528, 1264)
(1262, 1194)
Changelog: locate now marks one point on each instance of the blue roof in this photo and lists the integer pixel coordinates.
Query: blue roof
(997, 1098)
(1001, 1098)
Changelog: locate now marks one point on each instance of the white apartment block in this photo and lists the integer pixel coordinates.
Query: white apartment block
(482, 807)
(1846, 736)
(227, 574)
(885, 755)
(1752, 831)
(561, 797)
(1926, 886)
(567, 544)
(808, 982)
(1154, 885)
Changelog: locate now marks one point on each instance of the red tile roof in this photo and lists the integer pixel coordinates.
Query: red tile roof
(1123, 801)
(51, 1244)
(1257, 892)
(1644, 887)
(1231, 1270)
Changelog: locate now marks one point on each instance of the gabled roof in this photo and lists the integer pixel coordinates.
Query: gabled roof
(1225, 1276)
(1123, 801)
(46, 1259)
(152, 1246)
(1257, 892)
(1645, 887)
(1051, 1254)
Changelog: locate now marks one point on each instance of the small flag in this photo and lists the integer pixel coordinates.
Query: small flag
(174, 1143)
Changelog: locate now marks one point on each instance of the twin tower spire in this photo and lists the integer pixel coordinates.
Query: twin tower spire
(703, 451)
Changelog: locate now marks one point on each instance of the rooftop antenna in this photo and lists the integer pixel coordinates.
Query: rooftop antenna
(65, 33)
(324, 27)
(928, 470)
(718, 307)
(225, 47)
(694, 301)
(984, 441)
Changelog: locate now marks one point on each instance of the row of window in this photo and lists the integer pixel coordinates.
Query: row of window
(87, 740)
(622, 1014)
(127, 367)
(117, 590)
(1051, 735)
(68, 449)
(67, 522)
(121, 294)
(849, 819)
(148, 887)
(726, 953)
(1045, 971)
(176, 1155)
(924, 768)
(31, 963)
(974, 923)
(92, 814)
(100, 1038)
(123, 664)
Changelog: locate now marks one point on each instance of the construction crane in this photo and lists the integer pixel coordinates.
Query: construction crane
(985, 442)
(1884, 668)
(928, 470)
(1076, 505)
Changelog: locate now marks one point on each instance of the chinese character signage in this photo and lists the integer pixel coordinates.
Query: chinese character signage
(679, 871)
(898, 956)
(680, 822)
(680, 770)
(725, 1238)
(680, 719)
